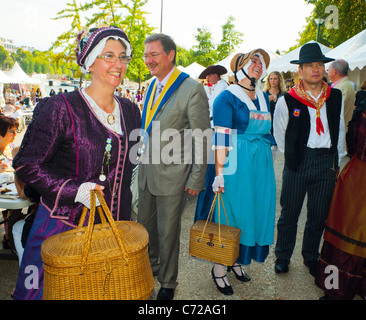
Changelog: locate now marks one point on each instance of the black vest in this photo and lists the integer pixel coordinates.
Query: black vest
(298, 128)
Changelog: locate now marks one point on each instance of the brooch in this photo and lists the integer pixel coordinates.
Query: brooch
(296, 113)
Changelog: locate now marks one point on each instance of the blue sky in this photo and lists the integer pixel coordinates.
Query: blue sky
(265, 23)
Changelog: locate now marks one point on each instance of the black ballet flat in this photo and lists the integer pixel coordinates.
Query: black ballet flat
(227, 290)
(241, 277)
(6, 243)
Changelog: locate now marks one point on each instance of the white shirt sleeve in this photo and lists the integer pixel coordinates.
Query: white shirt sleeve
(219, 87)
(280, 121)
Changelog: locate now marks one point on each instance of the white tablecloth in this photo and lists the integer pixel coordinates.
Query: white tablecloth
(10, 200)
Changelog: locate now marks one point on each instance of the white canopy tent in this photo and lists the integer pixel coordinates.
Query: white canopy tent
(354, 52)
(347, 48)
(19, 76)
(181, 68)
(5, 78)
(282, 64)
(357, 59)
(194, 70)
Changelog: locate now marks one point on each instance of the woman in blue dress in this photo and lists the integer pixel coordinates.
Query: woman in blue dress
(244, 164)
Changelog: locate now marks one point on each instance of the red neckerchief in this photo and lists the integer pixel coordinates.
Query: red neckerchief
(298, 92)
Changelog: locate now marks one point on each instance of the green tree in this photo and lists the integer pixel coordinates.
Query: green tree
(230, 39)
(205, 53)
(24, 59)
(184, 56)
(137, 29)
(107, 11)
(65, 60)
(4, 54)
(130, 18)
(28, 63)
(342, 20)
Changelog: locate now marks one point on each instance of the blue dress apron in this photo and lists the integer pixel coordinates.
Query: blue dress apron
(250, 188)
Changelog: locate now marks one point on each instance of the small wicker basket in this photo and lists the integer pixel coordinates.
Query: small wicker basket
(213, 241)
(105, 261)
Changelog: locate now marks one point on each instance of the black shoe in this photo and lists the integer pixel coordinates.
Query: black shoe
(313, 266)
(241, 277)
(6, 243)
(227, 290)
(281, 266)
(165, 294)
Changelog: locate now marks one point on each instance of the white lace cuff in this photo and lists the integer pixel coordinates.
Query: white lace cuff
(83, 195)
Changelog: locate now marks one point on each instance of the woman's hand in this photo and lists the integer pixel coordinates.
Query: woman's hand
(219, 184)
(83, 195)
(100, 188)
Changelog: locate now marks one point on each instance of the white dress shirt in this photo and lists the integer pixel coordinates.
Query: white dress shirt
(163, 82)
(216, 89)
(315, 140)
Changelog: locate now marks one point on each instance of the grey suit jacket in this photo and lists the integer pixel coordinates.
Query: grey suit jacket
(176, 156)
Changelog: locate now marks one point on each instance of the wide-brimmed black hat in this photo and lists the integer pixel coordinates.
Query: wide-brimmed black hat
(220, 70)
(311, 52)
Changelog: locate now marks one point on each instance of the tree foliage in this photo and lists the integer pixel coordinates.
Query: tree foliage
(128, 15)
(204, 53)
(342, 20)
(231, 39)
(207, 52)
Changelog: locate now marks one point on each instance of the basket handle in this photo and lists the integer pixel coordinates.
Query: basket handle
(90, 227)
(217, 198)
(84, 213)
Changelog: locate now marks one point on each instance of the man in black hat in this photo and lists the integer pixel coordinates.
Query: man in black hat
(309, 128)
(216, 85)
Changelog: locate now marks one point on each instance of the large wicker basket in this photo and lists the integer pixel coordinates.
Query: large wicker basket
(104, 261)
(213, 241)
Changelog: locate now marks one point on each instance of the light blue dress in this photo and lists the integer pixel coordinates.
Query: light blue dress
(250, 187)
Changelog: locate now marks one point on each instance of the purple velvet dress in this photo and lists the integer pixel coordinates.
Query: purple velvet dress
(63, 148)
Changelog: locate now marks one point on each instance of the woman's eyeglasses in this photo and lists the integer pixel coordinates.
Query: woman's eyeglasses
(111, 58)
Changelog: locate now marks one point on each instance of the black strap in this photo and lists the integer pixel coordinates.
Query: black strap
(252, 80)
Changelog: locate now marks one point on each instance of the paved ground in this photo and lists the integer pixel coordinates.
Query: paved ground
(195, 282)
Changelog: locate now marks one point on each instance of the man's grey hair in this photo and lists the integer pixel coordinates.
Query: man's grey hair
(341, 66)
(166, 41)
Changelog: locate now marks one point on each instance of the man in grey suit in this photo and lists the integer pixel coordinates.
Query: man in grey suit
(175, 132)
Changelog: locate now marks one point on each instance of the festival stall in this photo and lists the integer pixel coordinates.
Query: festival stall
(354, 52)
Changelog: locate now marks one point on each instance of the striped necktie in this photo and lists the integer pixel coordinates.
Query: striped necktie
(159, 88)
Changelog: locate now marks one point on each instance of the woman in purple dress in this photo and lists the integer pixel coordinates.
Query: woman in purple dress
(78, 142)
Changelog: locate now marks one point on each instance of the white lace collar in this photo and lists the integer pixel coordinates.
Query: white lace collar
(102, 115)
(240, 94)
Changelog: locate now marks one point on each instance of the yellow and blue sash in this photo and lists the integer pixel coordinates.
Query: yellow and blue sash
(150, 111)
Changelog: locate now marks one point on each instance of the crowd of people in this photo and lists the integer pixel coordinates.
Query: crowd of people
(308, 124)
(135, 96)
